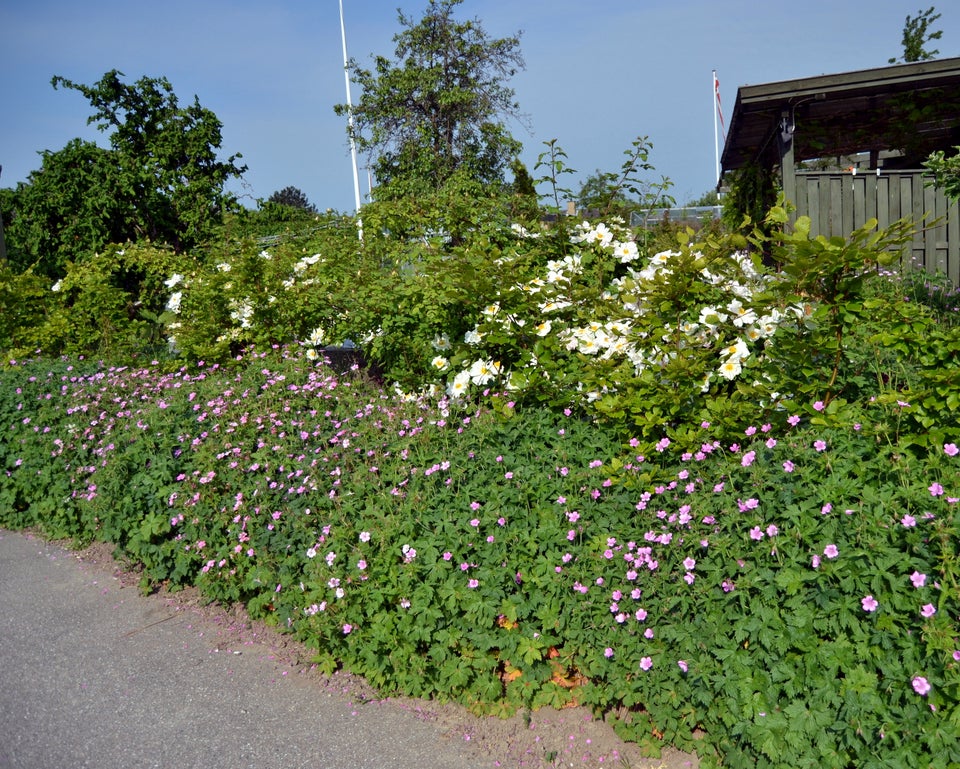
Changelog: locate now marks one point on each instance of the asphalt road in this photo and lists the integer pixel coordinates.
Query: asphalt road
(92, 674)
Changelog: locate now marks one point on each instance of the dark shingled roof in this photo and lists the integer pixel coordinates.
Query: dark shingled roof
(913, 108)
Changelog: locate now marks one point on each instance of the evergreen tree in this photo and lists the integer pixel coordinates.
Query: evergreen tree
(293, 197)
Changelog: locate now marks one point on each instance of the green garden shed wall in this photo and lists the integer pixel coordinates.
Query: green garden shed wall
(850, 147)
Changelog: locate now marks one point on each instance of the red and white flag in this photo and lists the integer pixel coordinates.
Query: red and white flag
(717, 113)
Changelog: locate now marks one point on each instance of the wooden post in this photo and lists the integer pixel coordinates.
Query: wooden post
(788, 171)
(3, 246)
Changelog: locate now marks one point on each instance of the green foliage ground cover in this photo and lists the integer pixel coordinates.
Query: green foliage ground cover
(691, 490)
(793, 593)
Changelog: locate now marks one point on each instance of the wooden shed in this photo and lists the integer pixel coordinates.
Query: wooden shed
(850, 147)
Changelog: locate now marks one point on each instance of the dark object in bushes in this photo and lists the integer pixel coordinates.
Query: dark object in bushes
(344, 357)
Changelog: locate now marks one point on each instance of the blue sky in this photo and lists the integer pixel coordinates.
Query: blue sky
(598, 74)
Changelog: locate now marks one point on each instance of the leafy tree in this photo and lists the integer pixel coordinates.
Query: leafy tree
(621, 193)
(598, 193)
(160, 179)
(524, 205)
(66, 209)
(946, 171)
(269, 220)
(293, 197)
(436, 110)
(708, 198)
(915, 36)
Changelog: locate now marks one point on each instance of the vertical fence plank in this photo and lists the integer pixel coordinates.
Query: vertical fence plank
(871, 186)
(848, 217)
(827, 211)
(883, 195)
(953, 241)
(936, 235)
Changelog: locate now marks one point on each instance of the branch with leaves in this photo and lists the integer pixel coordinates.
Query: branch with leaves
(916, 36)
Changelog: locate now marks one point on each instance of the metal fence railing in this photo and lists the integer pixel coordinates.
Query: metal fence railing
(676, 214)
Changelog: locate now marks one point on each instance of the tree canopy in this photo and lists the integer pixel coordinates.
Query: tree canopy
(437, 109)
(67, 208)
(159, 180)
(916, 36)
(294, 198)
(619, 194)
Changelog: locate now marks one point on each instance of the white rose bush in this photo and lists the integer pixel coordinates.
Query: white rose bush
(579, 320)
(578, 317)
(604, 330)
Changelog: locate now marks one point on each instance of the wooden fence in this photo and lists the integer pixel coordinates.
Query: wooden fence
(839, 203)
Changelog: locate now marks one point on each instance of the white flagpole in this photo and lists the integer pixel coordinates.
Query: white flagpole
(353, 144)
(716, 138)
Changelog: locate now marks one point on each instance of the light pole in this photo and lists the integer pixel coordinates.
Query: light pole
(353, 143)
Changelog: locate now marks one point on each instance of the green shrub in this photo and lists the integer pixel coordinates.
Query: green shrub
(792, 594)
(24, 301)
(110, 304)
(457, 302)
(690, 491)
